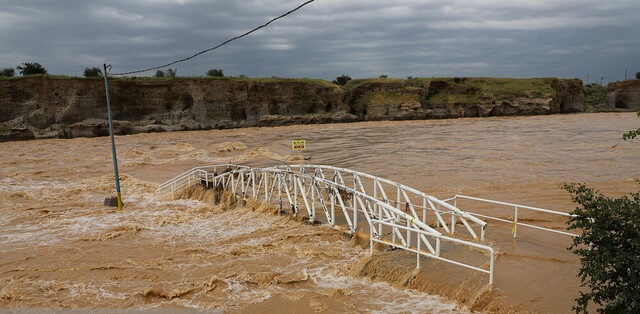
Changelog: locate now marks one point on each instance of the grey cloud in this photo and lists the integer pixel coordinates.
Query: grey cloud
(328, 38)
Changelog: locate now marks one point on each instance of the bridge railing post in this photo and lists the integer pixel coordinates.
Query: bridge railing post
(252, 178)
(312, 215)
(265, 176)
(515, 222)
(419, 242)
(295, 194)
(408, 233)
(453, 223)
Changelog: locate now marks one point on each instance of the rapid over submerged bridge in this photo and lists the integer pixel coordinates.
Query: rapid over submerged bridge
(394, 214)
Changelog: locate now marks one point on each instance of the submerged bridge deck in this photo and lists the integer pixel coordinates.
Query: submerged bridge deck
(394, 214)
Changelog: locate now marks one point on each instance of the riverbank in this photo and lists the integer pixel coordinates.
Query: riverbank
(64, 107)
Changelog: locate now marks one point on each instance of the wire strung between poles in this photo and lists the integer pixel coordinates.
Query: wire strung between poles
(216, 47)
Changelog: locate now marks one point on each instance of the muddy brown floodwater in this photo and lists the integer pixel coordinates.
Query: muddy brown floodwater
(60, 248)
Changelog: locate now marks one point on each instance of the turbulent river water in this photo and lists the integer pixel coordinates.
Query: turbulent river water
(61, 248)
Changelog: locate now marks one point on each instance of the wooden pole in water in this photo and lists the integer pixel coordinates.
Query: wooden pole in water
(113, 143)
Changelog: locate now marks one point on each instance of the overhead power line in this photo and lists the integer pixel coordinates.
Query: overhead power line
(219, 45)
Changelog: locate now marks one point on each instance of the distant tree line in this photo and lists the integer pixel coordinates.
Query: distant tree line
(35, 68)
(25, 69)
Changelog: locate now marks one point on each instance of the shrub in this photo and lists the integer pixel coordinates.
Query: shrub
(7, 72)
(215, 73)
(31, 68)
(609, 249)
(92, 72)
(342, 80)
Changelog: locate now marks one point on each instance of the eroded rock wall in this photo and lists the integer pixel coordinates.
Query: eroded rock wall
(43, 107)
(624, 95)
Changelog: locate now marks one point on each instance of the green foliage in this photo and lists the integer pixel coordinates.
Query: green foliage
(159, 73)
(215, 73)
(31, 68)
(609, 249)
(637, 75)
(633, 133)
(342, 80)
(7, 72)
(92, 72)
(595, 95)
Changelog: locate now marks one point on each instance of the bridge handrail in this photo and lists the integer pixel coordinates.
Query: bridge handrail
(178, 181)
(488, 249)
(411, 219)
(515, 223)
(429, 202)
(414, 191)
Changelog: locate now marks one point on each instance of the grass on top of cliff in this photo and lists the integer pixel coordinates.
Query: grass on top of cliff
(178, 78)
(493, 85)
(472, 90)
(228, 79)
(465, 90)
(529, 87)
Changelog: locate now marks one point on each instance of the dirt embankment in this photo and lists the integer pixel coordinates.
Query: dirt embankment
(50, 107)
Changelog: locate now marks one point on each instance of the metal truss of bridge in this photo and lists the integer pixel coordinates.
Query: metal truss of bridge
(394, 214)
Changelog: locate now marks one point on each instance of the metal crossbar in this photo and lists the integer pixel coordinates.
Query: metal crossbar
(320, 193)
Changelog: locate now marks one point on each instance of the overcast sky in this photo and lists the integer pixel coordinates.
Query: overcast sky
(328, 38)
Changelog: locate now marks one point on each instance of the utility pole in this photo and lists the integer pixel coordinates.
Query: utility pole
(113, 143)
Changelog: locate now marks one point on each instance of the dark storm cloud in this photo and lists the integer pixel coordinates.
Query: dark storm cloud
(327, 38)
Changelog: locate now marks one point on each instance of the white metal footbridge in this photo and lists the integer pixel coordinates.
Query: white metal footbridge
(394, 214)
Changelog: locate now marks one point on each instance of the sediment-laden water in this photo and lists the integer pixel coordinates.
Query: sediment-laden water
(61, 248)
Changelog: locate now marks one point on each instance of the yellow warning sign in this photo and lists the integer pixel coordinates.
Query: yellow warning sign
(298, 145)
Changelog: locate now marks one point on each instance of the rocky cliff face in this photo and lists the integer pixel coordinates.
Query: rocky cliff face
(464, 97)
(624, 95)
(42, 107)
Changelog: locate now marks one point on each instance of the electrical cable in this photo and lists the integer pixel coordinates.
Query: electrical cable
(217, 46)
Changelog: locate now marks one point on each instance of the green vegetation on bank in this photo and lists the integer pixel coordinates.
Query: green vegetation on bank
(595, 95)
(609, 249)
